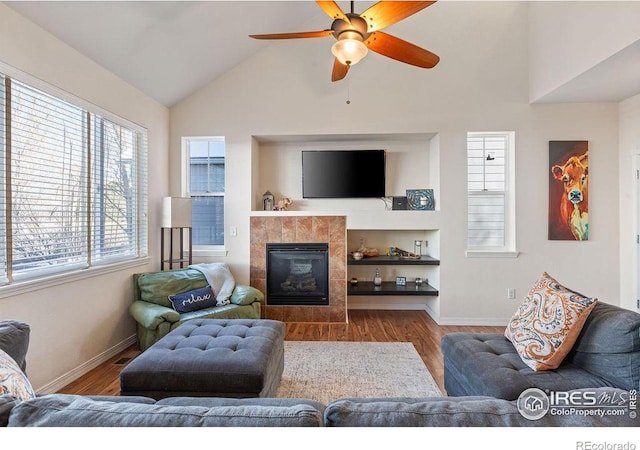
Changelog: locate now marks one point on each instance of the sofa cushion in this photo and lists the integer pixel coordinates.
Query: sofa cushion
(156, 287)
(210, 402)
(609, 346)
(487, 364)
(13, 381)
(422, 412)
(194, 300)
(69, 410)
(463, 412)
(7, 403)
(14, 339)
(548, 322)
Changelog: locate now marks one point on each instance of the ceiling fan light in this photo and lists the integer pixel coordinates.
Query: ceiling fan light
(349, 51)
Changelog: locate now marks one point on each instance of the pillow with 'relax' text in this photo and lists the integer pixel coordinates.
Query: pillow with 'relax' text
(547, 323)
(193, 300)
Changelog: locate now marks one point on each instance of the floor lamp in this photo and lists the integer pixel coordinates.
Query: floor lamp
(176, 220)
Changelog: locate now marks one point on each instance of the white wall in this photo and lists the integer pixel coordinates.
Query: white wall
(480, 84)
(77, 323)
(561, 31)
(629, 214)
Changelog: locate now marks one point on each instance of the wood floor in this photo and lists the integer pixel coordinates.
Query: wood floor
(416, 327)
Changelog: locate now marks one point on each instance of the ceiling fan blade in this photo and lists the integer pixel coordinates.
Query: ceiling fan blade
(300, 35)
(339, 70)
(383, 14)
(400, 50)
(333, 10)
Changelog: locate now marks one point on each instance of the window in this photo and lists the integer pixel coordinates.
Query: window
(490, 182)
(73, 184)
(204, 162)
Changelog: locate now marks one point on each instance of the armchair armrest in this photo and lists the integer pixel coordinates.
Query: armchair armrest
(246, 295)
(150, 315)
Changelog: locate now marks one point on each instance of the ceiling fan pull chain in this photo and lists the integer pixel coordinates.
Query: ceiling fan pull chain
(348, 93)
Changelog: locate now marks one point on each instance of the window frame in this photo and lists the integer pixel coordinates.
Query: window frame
(13, 284)
(508, 250)
(203, 250)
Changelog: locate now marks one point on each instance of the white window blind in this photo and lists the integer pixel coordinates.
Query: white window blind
(73, 185)
(115, 178)
(3, 150)
(48, 181)
(487, 189)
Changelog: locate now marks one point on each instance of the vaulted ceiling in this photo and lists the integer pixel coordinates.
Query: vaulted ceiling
(170, 49)
(167, 49)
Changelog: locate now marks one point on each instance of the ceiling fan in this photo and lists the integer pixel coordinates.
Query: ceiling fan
(356, 34)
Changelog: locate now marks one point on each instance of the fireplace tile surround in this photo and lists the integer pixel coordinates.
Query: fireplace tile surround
(302, 229)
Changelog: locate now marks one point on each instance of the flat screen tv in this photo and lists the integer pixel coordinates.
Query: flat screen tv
(343, 173)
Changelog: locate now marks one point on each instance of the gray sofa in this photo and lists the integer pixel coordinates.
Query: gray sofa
(606, 354)
(62, 410)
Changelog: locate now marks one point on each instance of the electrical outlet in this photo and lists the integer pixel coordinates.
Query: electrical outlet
(511, 293)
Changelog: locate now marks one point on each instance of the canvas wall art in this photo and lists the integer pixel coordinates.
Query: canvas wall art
(569, 190)
(421, 199)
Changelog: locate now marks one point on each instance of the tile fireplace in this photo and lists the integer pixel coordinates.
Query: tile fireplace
(286, 293)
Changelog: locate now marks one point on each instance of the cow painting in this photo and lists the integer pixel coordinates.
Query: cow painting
(569, 190)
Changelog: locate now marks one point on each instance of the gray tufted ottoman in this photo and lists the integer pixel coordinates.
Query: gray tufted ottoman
(212, 358)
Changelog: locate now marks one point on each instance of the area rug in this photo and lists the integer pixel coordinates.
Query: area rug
(326, 371)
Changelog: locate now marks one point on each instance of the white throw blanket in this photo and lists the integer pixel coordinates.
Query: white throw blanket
(220, 279)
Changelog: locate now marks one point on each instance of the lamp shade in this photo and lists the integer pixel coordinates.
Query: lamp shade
(176, 212)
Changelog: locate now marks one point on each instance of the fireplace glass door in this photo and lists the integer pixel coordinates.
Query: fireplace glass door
(298, 274)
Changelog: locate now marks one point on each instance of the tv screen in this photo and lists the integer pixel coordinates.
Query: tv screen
(343, 173)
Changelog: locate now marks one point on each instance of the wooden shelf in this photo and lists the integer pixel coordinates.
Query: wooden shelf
(391, 288)
(393, 261)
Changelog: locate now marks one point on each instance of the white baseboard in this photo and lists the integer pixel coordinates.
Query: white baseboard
(473, 322)
(387, 306)
(72, 375)
(458, 321)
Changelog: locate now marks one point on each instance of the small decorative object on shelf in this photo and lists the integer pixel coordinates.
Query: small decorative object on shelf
(420, 199)
(377, 279)
(367, 252)
(399, 203)
(407, 255)
(268, 201)
(417, 248)
(357, 255)
(418, 281)
(354, 281)
(283, 204)
(401, 281)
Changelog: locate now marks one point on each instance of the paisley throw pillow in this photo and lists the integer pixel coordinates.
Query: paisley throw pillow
(547, 323)
(13, 381)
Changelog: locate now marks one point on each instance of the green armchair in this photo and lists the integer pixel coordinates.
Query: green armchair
(155, 316)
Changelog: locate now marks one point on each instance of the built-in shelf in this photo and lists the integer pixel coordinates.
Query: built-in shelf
(391, 288)
(393, 261)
